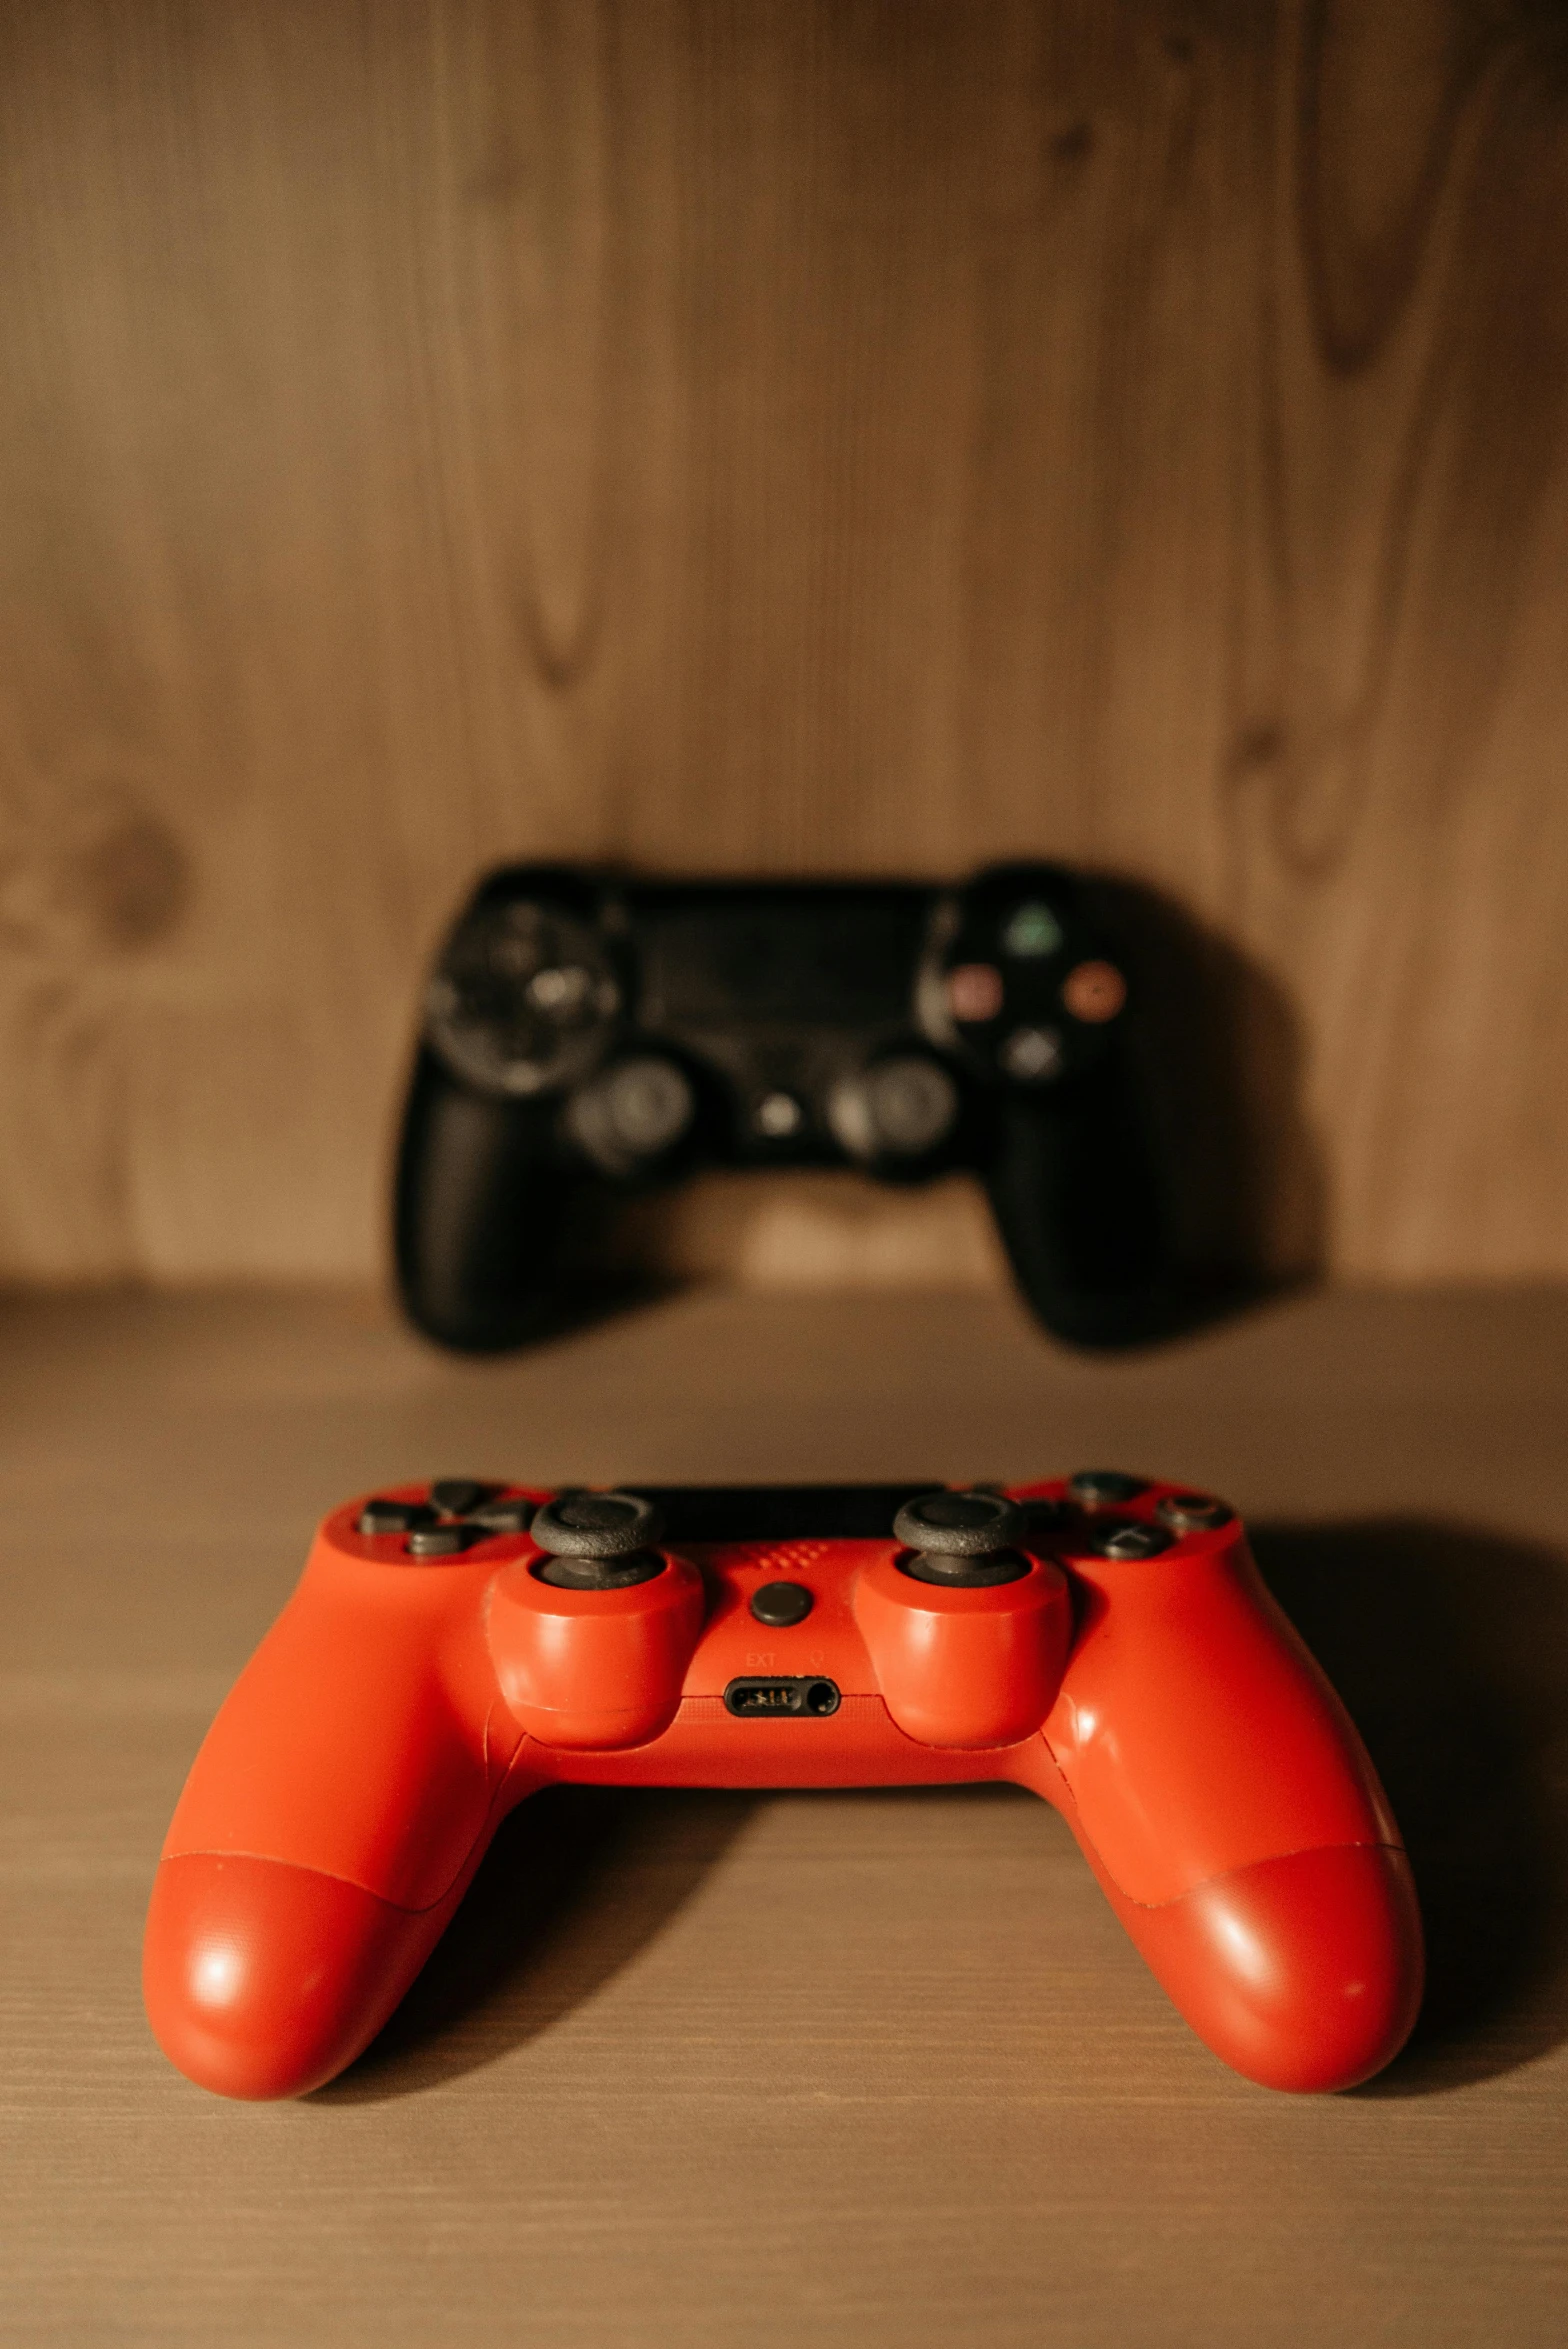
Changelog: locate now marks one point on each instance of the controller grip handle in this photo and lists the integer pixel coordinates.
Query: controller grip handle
(490, 1212)
(1303, 1972)
(1080, 1211)
(339, 1806)
(1233, 1817)
(262, 1979)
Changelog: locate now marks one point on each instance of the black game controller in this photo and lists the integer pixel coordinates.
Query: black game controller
(587, 1036)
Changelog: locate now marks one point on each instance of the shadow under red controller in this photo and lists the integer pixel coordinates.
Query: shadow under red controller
(1106, 1642)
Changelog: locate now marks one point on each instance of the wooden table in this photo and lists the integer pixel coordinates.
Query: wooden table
(841, 2069)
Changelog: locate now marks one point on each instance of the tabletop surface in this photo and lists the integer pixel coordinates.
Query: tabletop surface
(710, 2068)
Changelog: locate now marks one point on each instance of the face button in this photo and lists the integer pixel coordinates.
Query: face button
(1094, 992)
(455, 1496)
(779, 1604)
(503, 1516)
(778, 1115)
(1193, 1512)
(443, 1541)
(597, 1525)
(1103, 1488)
(1032, 930)
(393, 1516)
(1128, 1541)
(1032, 1054)
(974, 992)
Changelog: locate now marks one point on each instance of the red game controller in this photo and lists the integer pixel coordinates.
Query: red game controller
(1106, 1641)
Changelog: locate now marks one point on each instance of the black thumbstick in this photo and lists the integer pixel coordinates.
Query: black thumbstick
(961, 1539)
(897, 1108)
(632, 1113)
(962, 1525)
(598, 1541)
(597, 1525)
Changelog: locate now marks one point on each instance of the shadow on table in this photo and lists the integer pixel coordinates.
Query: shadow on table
(1449, 1645)
(578, 1880)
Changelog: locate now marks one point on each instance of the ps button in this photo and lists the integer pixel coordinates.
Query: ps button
(454, 1496)
(393, 1516)
(443, 1541)
(1131, 1541)
(779, 1604)
(1102, 1488)
(514, 1516)
(1193, 1512)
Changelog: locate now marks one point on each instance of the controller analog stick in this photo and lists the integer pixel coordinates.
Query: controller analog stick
(598, 1541)
(633, 1113)
(961, 1539)
(898, 1108)
(959, 1525)
(597, 1525)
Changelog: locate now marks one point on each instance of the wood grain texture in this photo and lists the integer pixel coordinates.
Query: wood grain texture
(777, 435)
(824, 2071)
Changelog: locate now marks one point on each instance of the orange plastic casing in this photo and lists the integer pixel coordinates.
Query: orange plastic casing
(576, 1673)
(397, 1710)
(966, 1668)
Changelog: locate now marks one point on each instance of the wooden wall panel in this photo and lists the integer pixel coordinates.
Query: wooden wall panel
(771, 435)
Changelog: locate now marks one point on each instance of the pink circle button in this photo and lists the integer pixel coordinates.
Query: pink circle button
(974, 991)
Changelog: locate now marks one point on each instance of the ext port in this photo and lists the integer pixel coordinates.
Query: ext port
(769, 1700)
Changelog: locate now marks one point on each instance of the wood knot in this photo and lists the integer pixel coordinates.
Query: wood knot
(128, 885)
(1257, 748)
(1073, 143)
